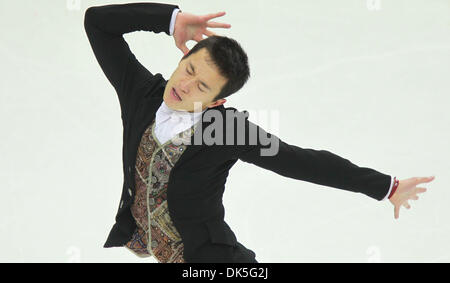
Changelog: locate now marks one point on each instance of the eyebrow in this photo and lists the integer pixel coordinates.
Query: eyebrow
(193, 69)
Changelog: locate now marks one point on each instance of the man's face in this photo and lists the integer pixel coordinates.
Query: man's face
(194, 80)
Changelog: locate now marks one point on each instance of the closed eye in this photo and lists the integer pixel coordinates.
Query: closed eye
(191, 75)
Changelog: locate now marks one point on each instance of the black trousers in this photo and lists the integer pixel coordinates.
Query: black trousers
(244, 254)
(223, 253)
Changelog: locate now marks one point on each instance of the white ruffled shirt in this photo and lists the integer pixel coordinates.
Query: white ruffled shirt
(169, 122)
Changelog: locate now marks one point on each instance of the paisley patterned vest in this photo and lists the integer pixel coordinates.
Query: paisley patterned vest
(153, 165)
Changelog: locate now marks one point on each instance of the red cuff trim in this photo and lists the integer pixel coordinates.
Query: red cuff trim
(394, 188)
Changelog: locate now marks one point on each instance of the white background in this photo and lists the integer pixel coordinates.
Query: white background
(369, 83)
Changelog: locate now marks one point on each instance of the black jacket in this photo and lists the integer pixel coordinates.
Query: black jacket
(197, 181)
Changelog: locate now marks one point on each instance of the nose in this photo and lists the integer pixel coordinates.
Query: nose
(185, 86)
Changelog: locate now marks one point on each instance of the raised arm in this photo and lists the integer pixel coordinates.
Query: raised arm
(105, 26)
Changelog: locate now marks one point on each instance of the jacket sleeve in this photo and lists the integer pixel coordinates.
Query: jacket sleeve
(316, 166)
(105, 26)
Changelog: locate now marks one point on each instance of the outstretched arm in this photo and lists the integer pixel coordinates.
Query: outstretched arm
(316, 166)
(326, 168)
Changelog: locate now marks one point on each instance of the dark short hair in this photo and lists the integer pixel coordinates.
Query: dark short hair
(231, 60)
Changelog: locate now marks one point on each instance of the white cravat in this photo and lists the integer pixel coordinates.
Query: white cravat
(169, 122)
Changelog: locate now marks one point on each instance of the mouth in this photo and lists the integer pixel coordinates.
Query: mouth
(175, 94)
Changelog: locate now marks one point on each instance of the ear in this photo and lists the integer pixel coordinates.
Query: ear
(217, 103)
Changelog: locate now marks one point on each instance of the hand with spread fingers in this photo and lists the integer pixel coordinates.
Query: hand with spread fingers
(193, 27)
(407, 190)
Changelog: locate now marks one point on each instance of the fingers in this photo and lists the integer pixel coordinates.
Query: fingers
(424, 179)
(218, 25)
(406, 204)
(209, 33)
(184, 49)
(420, 190)
(198, 37)
(396, 212)
(397, 209)
(414, 197)
(213, 15)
